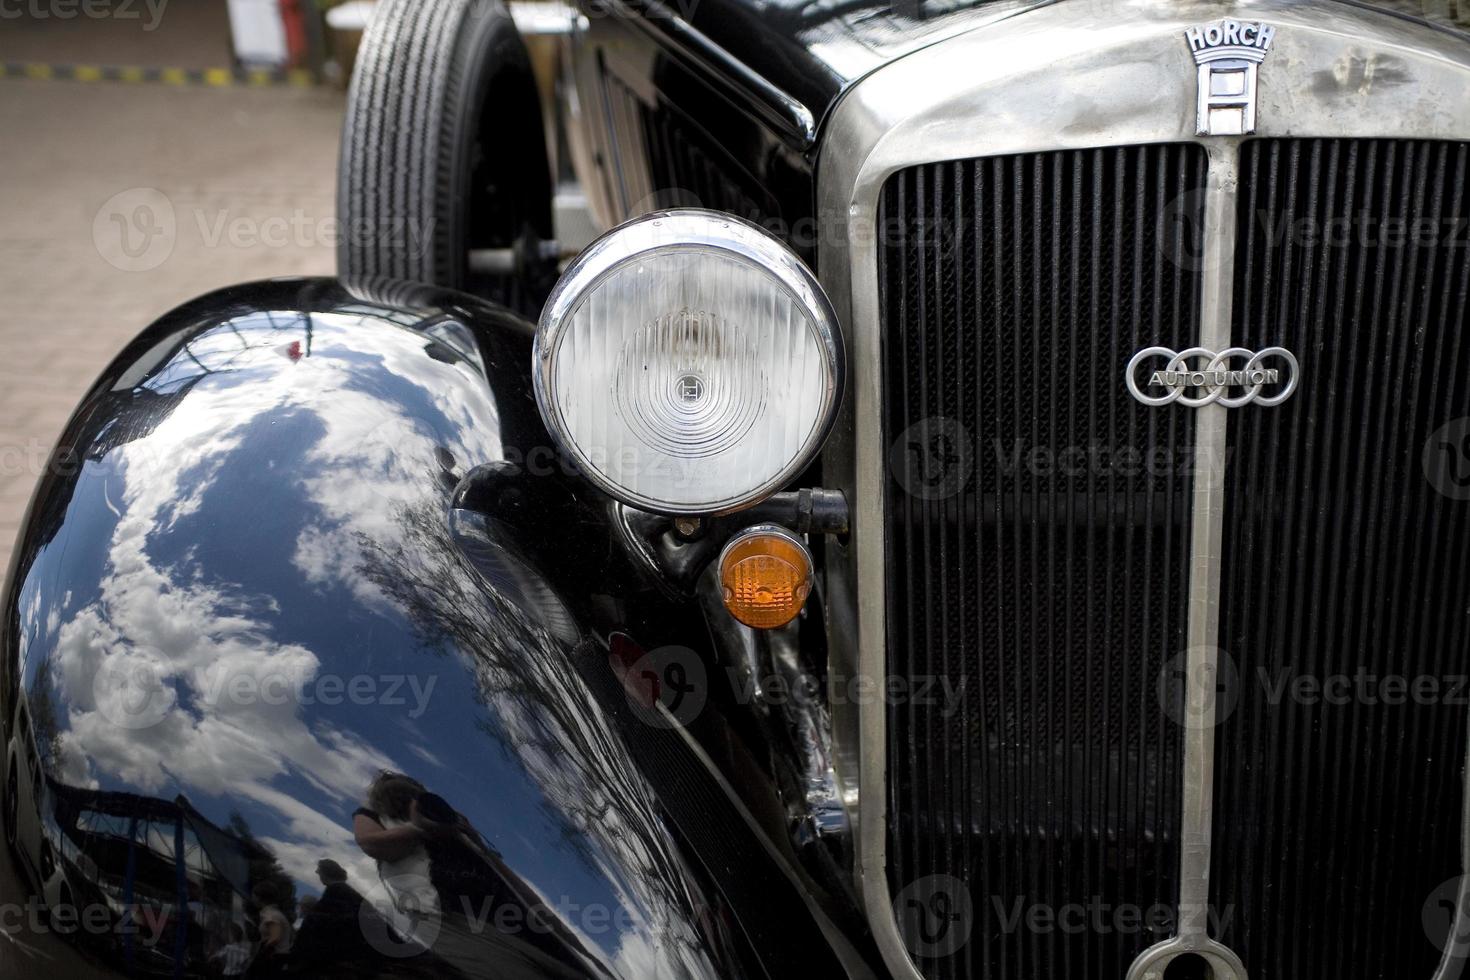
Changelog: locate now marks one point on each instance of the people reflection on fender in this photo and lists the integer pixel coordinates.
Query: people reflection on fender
(469, 908)
(334, 930)
(275, 935)
(304, 905)
(232, 958)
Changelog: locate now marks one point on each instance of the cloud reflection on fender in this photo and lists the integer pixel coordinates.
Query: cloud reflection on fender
(264, 509)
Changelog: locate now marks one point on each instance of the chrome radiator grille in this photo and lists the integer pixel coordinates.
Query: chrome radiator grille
(1345, 552)
(1038, 522)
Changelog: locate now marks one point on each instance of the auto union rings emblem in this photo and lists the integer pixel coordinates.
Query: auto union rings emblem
(1268, 378)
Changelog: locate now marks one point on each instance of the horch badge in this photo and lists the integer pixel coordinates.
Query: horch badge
(1229, 54)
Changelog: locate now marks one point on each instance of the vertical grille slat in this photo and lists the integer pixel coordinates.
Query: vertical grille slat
(1050, 595)
(1336, 822)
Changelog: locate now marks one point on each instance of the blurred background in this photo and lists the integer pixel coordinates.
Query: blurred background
(150, 151)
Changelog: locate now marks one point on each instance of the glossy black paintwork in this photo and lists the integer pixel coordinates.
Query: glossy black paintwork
(810, 50)
(253, 579)
(731, 95)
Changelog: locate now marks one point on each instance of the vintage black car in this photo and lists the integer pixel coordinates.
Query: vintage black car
(792, 488)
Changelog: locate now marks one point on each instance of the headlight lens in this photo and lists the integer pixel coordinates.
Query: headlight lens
(689, 362)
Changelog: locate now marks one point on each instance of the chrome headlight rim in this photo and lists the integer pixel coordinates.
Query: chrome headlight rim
(691, 230)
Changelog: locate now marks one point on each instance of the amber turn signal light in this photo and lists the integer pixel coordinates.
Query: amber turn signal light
(766, 575)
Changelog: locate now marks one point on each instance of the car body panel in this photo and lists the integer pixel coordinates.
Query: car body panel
(247, 587)
(719, 104)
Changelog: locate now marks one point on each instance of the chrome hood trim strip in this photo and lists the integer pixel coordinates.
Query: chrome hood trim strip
(1211, 429)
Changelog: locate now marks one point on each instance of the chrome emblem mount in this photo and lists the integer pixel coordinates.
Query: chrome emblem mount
(1274, 368)
(1229, 54)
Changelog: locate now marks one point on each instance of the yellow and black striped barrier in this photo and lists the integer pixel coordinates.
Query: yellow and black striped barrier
(209, 77)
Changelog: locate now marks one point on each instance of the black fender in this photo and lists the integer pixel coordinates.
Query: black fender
(250, 584)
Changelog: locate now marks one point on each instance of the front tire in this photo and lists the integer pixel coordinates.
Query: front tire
(443, 148)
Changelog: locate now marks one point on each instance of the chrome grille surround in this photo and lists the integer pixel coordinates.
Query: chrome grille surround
(1075, 76)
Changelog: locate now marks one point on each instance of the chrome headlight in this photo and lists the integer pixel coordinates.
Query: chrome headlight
(689, 362)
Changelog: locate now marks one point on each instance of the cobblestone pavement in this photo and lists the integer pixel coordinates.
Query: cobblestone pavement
(210, 187)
